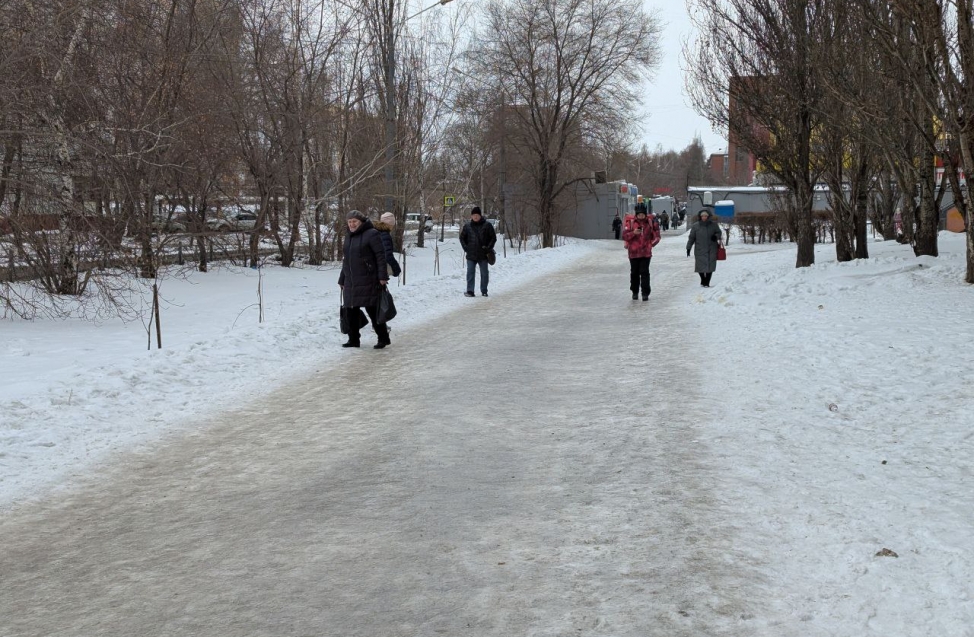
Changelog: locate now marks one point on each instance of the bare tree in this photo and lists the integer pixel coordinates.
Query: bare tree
(761, 56)
(943, 78)
(570, 66)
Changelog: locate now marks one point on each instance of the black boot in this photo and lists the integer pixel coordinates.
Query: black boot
(352, 342)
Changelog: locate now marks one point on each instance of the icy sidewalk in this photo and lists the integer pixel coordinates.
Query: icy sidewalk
(522, 466)
(75, 392)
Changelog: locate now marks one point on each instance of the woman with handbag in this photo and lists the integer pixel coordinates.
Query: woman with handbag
(363, 277)
(705, 241)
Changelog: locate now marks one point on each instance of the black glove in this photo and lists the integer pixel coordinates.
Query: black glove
(688, 251)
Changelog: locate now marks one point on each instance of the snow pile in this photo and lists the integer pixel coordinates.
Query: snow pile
(846, 430)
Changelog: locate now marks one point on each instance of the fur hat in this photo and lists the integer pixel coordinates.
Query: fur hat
(355, 214)
(388, 218)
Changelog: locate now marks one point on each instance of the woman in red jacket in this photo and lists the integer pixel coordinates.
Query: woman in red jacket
(641, 236)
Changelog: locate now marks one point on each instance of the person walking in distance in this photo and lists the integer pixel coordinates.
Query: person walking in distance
(363, 275)
(477, 240)
(704, 240)
(385, 226)
(641, 237)
(617, 226)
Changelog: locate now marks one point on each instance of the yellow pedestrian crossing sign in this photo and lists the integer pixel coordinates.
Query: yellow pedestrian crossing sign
(448, 201)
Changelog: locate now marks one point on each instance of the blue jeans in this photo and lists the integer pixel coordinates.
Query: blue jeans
(472, 272)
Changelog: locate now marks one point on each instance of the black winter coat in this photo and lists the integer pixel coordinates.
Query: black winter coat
(363, 266)
(477, 239)
(385, 233)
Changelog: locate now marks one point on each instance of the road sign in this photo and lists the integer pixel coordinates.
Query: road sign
(448, 201)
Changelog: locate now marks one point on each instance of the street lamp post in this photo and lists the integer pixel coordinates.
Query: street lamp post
(390, 81)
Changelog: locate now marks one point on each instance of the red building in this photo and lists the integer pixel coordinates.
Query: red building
(740, 161)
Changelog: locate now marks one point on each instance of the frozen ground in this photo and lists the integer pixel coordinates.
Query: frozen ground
(726, 461)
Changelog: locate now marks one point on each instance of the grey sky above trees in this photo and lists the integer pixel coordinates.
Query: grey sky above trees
(672, 122)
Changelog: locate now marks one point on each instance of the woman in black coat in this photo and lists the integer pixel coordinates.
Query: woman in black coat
(363, 275)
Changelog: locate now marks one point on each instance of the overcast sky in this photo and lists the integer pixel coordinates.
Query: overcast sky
(672, 122)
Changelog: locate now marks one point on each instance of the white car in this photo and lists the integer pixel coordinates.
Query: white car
(217, 223)
(239, 220)
(245, 221)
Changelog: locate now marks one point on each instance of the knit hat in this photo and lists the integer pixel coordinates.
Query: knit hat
(704, 212)
(388, 218)
(641, 211)
(355, 214)
(475, 211)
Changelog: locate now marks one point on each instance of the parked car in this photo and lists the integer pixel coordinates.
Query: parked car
(216, 223)
(232, 220)
(168, 225)
(415, 217)
(245, 221)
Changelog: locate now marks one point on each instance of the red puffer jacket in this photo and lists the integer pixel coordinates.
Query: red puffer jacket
(641, 243)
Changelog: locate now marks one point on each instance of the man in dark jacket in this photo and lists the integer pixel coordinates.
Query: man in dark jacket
(617, 226)
(363, 275)
(477, 239)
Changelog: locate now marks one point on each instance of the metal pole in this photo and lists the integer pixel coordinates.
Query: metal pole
(503, 167)
(443, 216)
(391, 131)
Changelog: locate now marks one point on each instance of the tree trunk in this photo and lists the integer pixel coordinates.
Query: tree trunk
(546, 204)
(967, 150)
(842, 214)
(804, 230)
(862, 217)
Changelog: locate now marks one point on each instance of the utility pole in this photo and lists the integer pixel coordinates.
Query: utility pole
(503, 167)
(443, 216)
(391, 128)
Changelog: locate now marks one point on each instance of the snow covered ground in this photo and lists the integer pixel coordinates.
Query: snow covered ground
(847, 431)
(72, 391)
(842, 422)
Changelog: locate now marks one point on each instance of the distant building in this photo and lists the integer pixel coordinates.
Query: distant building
(596, 205)
(741, 163)
(753, 201)
(717, 166)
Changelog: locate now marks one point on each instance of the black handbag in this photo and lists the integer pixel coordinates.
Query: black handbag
(491, 257)
(387, 308)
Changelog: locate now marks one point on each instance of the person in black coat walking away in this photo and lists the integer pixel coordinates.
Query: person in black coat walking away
(617, 226)
(477, 239)
(385, 225)
(704, 238)
(363, 275)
